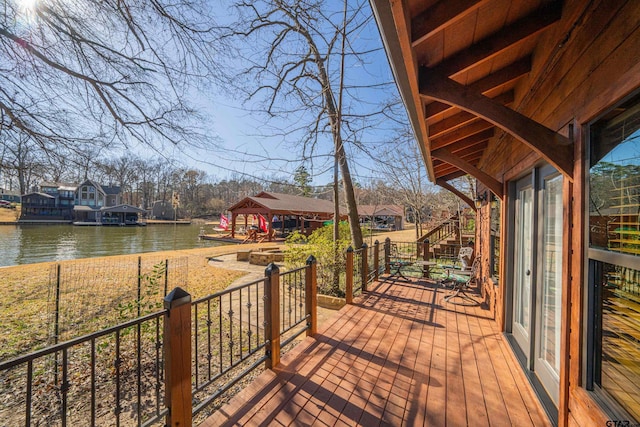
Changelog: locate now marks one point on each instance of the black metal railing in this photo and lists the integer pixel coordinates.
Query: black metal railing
(293, 296)
(164, 367)
(227, 331)
(357, 272)
(90, 379)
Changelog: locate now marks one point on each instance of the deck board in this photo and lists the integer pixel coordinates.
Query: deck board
(399, 356)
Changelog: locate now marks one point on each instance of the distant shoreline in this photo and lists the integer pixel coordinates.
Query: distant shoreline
(61, 222)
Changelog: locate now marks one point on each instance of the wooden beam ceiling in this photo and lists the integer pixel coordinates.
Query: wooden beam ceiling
(460, 133)
(506, 38)
(444, 184)
(439, 107)
(555, 148)
(439, 16)
(479, 55)
(492, 184)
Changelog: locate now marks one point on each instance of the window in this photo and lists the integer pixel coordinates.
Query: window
(495, 238)
(613, 363)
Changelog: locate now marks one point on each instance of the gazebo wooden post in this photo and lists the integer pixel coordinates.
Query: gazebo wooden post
(269, 225)
(234, 216)
(282, 216)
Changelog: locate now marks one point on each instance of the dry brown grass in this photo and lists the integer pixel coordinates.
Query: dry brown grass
(9, 215)
(100, 296)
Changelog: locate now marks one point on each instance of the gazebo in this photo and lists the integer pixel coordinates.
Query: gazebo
(289, 211)
(390, 214)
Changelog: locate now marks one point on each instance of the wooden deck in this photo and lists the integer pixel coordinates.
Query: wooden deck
(400, 356)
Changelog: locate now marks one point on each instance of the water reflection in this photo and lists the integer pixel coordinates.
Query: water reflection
(28, 244)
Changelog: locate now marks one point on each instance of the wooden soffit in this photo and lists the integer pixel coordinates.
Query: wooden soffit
(458, 64)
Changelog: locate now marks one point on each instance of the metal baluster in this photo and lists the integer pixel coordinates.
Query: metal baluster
(64, 386)
(230, 329)
(139, 374)
(29, 393)
(116, 365)
(158, 364)
(195, 338)
(240, 334)
(250, 331)
(220, 331)
(209, 354)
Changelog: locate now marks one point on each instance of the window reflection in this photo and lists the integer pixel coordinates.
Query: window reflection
(614, 239)
(619, 325)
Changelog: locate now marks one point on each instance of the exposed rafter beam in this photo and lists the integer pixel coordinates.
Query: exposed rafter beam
(479, 139)
(493, 184)
(440, 15)
(443, 168)
(457, 174)
(552, 146)
(439, 107)
(469, 150)
(462, 118)
(503, 76)
(460, 133)
(444, 184)
(491, 46)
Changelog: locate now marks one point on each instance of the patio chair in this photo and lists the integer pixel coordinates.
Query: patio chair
(398, 261)
(460, 280)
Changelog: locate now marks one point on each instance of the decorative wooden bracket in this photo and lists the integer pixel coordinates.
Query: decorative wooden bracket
(444, 184)
(553, 147)
(492, 184)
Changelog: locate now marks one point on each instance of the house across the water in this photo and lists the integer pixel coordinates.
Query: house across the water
(86, 204)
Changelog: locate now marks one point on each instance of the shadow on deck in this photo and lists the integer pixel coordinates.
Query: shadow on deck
(400, 356)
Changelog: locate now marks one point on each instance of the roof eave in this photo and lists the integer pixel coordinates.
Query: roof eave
(388, 32)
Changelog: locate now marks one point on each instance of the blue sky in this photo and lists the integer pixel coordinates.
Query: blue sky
(243, 139)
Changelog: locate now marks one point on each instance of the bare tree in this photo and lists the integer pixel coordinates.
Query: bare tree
(312, 72)
(410, 182)
(103, 72)
(21, 160)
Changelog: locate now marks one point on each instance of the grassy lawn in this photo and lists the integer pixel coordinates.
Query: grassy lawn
(9, 215)
(95, 293)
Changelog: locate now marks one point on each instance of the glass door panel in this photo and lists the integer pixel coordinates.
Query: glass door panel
(522, 268)
(547, 363)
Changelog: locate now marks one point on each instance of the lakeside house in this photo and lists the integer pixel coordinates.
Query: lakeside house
(86, 204)
(9, 195)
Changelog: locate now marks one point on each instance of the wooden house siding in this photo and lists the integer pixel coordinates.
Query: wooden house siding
(564, 72)
(594, 70)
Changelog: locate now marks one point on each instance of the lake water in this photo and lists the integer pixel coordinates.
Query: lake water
(26, 244)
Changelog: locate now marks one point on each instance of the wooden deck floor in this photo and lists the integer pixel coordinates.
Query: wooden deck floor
(400, 356)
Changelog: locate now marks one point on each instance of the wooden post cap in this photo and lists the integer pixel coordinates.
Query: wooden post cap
(311, 260)
(271, 269)
(176, 298)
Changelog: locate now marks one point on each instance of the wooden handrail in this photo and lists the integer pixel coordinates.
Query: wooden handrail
(450, 227)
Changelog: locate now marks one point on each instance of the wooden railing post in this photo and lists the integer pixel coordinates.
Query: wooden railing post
(272, 314)
(177, 355)
(349, 274)
(425, 257)
(387, 256)
(376, 259)
(365, 266)
(311, 295)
